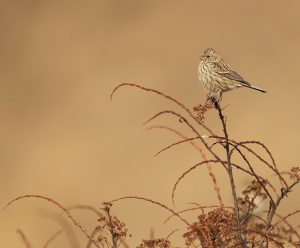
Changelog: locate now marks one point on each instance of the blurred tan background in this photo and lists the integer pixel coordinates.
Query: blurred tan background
(62, 138)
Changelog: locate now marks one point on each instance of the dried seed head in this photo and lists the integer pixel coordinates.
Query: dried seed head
(294, 174)
(155, 243)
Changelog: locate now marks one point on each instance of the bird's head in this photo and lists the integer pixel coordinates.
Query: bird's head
(210, 55)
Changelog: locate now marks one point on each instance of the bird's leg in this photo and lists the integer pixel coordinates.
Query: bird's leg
(210, 97)
(215, 99)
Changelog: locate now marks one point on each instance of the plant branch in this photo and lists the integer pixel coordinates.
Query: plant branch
(230, 173)
(274, 208)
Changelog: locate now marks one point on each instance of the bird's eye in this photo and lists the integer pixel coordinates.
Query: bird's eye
(207, 56)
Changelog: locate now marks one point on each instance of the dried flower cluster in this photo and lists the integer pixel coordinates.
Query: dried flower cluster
(215, 229)
(200, 110)
(155, 243)
(295, 171)
(111, 231)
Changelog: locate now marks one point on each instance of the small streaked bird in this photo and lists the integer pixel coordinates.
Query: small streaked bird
(217, 76)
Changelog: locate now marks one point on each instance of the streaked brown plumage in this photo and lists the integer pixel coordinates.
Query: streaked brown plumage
(217, 76)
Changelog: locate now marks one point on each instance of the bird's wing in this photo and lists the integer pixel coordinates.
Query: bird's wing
(225, 71)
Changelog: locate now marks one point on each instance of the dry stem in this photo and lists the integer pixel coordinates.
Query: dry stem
(230, 173)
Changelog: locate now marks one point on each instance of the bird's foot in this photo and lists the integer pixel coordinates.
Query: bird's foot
(213, 100)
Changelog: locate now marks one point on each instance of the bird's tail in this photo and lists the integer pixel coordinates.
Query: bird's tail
(255, 88)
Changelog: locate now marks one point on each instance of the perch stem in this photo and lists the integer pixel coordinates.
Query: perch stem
(230, 173)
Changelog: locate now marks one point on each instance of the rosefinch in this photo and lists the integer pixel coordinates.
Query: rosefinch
(217, 76)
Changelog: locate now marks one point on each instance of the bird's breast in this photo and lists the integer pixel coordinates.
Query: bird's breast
(209, 77)
(204, 73)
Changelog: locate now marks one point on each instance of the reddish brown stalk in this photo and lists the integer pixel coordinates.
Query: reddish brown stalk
(199, 164)
(165, 96)
(273, 209)
(201, 138)
(56, 234)
(59, 206)
(192, 209)
(209, 206)
(153, 202)
(187, 172)
(191, 127)
(181, 212)
(274, 169)
(174, 144)
(251, 173)
(256, 176)
(24, 238)
(218, 142)
(263, 146)
(242, 144)
(203, 156)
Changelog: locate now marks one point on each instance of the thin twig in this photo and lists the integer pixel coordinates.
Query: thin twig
(195, 208)
(202, 154)
(165, 96)
(233, 143)
(153, 202)
(183, 119)
(58, 205)
(261, 182)
(274, 208)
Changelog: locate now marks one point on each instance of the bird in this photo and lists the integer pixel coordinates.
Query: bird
(217, 76)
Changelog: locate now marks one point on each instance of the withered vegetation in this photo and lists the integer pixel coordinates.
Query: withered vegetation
(253, 219)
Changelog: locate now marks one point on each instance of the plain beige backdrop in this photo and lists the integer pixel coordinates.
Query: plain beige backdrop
(61, 136)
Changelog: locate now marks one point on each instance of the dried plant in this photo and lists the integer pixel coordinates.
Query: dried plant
(155, 243)
(110, 226)
(253, 219)
(241, 226)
